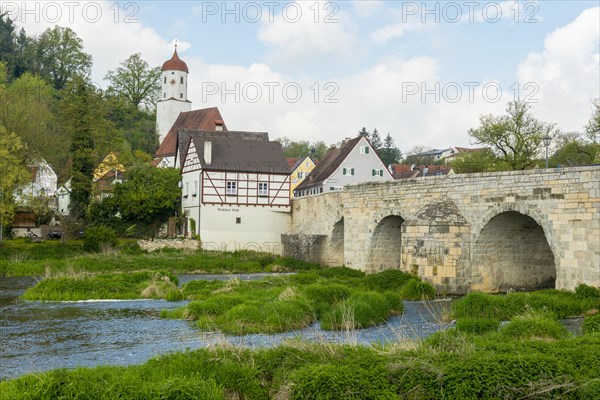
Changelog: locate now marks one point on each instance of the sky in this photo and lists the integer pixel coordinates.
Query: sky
(422, 71)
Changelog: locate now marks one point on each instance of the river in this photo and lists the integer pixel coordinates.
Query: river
(39, 336)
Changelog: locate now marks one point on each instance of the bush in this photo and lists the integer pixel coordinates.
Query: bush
(98, 237)
(506, 376)
(387, 280)
(360, 310)
(587, 292)
(477, 326)
(591, 324)
(534, 325)
(415, 289)
(328, 381)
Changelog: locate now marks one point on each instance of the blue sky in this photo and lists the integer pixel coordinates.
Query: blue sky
(402, 67)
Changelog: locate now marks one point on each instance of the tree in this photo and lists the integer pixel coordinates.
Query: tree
(375, 140)
(7, 42)
(136, 81)
(389, 153)
(60, 56)
(413, 156)
(478, 161)
(364, 132)
(575, 151)
(137, 127)
(315, 150)
(592, 128)
(26, 109)
(149, 195)
(82, 116)
(25, 50)
(12, 172)
(515, 138)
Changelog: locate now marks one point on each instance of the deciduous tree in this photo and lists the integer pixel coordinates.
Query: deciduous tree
(60, 56)
(135, 80)
(516, 137)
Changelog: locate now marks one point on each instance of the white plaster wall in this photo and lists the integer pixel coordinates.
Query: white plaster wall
(260, 228)
(363, 165)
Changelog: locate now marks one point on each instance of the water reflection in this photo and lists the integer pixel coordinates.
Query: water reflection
(37, 336)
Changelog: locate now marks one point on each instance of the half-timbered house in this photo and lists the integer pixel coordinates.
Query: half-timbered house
(235, 188)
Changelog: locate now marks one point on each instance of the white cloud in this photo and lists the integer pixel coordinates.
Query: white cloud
(307, 31)
(109, 34)
(368, 8)
(373, 98)
(567, 72)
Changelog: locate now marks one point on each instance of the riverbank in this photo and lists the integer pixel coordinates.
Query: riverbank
(23, 258)
(448, 365)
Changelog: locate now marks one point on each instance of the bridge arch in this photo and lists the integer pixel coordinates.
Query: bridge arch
(334, 250)
(512, 251)
(385, 250)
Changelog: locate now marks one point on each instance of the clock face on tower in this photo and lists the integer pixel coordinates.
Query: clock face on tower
(172, 82)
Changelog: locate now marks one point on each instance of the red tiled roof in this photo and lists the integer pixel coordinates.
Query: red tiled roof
(204, 119)
(292, 161)
(175, 64)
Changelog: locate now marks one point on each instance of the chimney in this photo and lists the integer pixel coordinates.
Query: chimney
(218, 125)
(208, 152)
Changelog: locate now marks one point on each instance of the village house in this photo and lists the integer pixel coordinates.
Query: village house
(300, 167)
(235, 189)
(106, 175)
(408, 171)
(37, 193)
(352, 161)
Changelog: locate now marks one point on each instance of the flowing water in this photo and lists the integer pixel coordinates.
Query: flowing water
(39, 336)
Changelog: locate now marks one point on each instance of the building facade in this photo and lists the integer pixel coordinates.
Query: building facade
(235, 190)
(353, 161)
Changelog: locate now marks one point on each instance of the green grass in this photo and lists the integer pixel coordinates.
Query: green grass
(338, 297)
(20, 258)
(84, 286)
(465, 367)
(561, 303)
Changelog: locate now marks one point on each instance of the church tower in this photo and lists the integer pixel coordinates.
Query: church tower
(173, 96)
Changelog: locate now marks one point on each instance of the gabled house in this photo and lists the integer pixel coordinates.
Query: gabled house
(460, 151)
(208, 119)
(407, 171)
(353, 161)
(106, 175)
(42, 182)
(235, 189)
(300, 168)
(433, 155)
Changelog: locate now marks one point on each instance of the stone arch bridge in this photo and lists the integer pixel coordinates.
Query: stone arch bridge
(518, 230)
